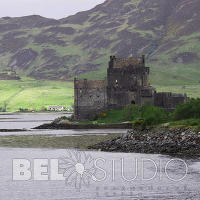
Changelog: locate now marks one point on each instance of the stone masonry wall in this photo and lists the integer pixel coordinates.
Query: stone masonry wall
(90, 98)
(169, 100)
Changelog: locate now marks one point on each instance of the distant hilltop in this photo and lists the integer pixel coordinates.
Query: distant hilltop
(167, 32)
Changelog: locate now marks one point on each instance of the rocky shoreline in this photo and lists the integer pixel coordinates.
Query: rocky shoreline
(84, 126)
(13, 130)
(176, 141)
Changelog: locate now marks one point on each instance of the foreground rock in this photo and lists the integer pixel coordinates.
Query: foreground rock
(181, 141)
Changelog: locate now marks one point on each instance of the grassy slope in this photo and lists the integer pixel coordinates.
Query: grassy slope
(35, 95)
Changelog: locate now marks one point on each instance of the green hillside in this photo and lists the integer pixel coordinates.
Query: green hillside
(34, 95)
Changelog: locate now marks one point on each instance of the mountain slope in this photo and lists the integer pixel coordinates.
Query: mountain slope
(166, 31)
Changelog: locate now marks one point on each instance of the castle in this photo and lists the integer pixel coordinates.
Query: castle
(127, 83)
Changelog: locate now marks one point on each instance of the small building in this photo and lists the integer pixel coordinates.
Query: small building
(69, 109)
(56, 108)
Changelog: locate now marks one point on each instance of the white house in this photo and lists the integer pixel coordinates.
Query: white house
(56, 108)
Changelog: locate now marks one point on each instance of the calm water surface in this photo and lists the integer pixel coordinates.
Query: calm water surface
(160, 187)
(155, 175)
(29, 121)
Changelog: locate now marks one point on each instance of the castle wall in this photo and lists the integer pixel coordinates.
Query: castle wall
(169, 100)
(129, 78)
(119, 99)
(147, 95)
(90, 98)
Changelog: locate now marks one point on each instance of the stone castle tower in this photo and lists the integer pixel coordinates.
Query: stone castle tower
(89, 98)
(127, 83)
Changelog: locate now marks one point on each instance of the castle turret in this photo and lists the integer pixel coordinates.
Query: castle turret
(111, 62)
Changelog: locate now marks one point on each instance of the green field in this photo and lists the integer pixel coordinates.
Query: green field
(35, 95)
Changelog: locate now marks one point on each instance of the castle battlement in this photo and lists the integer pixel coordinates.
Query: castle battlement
(126, 62)
(82, 84)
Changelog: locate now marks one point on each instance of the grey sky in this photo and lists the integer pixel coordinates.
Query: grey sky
(47, 8)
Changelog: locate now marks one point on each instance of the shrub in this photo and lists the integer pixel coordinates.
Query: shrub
(57, 120)
(4, 107)
(154, 115)
(23, 109)
(111, 116)
(187, 110)
(138, 123)
(102, 115)
(43, 109)
(132, 112)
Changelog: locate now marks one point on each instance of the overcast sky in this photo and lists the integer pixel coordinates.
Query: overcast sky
(47, 8)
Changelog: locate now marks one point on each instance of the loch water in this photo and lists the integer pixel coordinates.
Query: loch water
(118, 176)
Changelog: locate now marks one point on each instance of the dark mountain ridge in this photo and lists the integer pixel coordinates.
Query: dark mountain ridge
(166, 31)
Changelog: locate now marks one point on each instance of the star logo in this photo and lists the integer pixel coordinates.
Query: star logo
(78, 168)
